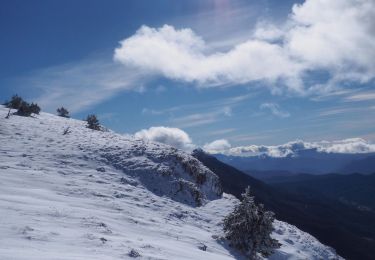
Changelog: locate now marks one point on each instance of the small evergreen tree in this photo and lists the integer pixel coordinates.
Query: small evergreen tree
(14, 103)
(24, 109)
(248, 228)
(35, 109)
(62, 111)
(93, 122)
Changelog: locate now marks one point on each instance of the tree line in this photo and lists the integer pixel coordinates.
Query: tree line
(26, 109)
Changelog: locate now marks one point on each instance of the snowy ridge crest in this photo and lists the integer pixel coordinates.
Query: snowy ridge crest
(164, 170)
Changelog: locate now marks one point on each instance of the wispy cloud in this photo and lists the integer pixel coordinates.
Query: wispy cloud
(147, 111)
(366, 96)
(227, 103)
(336, 111)
(340, 110)
(221, 131)
(250, 137)
(334, 92)
(198, 119)
(218, 18)
(82, 84)
(275, 110)
(264, 135)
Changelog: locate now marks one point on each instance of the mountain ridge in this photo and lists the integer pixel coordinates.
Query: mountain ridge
(307, 161)
(83, 195)
(335, 223)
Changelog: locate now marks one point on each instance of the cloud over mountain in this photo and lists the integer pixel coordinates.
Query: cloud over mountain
(172, 136)
(178, 138)
(217, 146)
(352, 145)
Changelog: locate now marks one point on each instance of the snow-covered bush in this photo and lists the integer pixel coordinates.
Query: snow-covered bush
(93, 122)
(248, 228)
(63, 112)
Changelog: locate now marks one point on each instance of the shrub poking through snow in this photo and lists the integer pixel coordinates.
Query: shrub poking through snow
(63, 112)
(248, 228)
(134, 253)
(202, 247)
(93, 122)
(35, 109)
(26, 109)
(8, 115)
(66, 131)
(23, 108)
(14, 103)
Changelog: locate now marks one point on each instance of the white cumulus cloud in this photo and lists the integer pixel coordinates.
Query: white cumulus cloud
(336, 35)
(183, 55)
(332, 35)
(352, 145)
(172, 136)
(217, 146)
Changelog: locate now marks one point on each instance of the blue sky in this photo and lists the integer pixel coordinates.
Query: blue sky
(248, 72)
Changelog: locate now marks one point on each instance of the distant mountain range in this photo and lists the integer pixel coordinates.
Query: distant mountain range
(308, 161)
(337, 209)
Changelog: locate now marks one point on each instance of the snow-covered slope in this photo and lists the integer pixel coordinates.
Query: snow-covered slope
(100, 195)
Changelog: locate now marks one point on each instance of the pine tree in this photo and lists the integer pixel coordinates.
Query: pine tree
(93, 122)
(62, 111)
(248, 228)
(14, 103)
(34, 108)
(24, 109)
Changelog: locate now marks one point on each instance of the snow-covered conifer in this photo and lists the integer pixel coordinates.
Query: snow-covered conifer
(93, 122)
(63, 112)
(248, 228)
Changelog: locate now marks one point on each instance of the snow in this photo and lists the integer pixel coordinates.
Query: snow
(102, 195)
